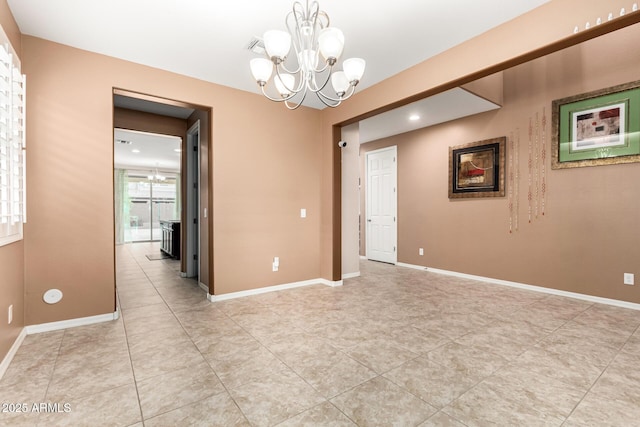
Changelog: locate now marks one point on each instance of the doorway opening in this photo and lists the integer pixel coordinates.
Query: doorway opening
(147, 179)
(161, 190)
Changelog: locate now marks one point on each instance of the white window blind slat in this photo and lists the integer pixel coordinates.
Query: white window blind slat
(12, 150)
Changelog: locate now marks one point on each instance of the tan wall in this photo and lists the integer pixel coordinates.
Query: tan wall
(11, 293)
(12, 255)
(588, 237)
(541, 30)
(266, 167)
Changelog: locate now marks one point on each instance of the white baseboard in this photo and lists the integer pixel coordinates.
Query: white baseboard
(71, 323)
(363, 257)
(350, 275)
(12, 352)
(551, 291)
(203, 287)
(332, 283)
(258, 291)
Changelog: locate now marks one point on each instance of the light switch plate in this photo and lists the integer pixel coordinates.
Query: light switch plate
(629, 279)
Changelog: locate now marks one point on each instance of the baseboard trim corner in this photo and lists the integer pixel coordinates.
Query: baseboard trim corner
(12, 352)
(331, 283)
(71, 323)
(350, 275)
(258, 291)
(203, 287)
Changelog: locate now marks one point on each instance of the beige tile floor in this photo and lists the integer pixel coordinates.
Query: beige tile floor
(395, 347)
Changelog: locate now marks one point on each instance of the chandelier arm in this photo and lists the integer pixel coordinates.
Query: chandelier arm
(322, 97)
(318, 89)
(300, 84)
(326, 65)
(327, 100)
(281, 99)
(284, 67)
(293, 107)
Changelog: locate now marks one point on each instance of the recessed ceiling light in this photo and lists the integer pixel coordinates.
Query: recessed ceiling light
(177, 150)
(135, 150)
(414, 117)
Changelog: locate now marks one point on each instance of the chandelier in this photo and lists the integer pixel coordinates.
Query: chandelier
(157, 177)
(296, 75)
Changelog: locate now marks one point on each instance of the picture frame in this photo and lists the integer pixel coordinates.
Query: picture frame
(596, 128)
(477, 169)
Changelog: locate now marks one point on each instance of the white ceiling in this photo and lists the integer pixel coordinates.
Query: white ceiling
(207, 39)
(154, 151)
(450, 105)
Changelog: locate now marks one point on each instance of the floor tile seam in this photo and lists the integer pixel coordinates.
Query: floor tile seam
(441, 411)
(349, 390)
(173, 313)
(226, 389)
(135, 381)
(604, 328)
(589, 389)
(517, 403)
(292, 369)
(635, 331)
(143, 419)
(382, 377)
(547, 378)
(437, 407)
(156, 375)
(315, 406)
(584, 340)
(55, 364)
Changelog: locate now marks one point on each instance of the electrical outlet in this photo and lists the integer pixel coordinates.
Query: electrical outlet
(421, 251)
(10, 314)
(276, 264)
(629, 279)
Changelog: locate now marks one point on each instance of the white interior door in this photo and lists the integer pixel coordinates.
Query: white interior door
(381, 205)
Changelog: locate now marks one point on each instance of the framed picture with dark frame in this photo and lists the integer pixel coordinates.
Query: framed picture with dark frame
(477, 169)
(597, 128)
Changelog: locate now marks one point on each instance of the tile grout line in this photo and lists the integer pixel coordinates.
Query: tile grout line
(601, 374)
(173, 313)
(126, 334)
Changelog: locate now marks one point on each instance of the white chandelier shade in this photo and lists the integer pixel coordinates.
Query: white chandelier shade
(311, 38)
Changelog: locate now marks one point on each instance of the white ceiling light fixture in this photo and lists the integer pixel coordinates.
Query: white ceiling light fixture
(157, 177)
(312, 36)
(414, 117)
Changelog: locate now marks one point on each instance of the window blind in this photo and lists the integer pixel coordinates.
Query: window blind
(12, 147)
